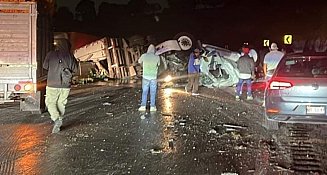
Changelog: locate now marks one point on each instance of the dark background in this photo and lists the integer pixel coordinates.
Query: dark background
(217, 22)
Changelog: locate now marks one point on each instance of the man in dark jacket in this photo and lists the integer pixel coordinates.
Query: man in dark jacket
(245, 65)
(58, 89)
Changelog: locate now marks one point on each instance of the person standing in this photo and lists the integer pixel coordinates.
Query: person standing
(61, 65)
(271, 61)
(150, 63)
(246, 68)
(193, 72)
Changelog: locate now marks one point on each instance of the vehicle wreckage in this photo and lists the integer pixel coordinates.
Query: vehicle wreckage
(218, 66)
(119, 61)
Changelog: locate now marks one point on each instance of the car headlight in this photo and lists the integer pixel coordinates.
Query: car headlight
(168, 78)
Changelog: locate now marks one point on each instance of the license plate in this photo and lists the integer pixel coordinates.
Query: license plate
(316, 110)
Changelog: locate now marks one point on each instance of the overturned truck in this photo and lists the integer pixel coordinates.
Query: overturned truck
(117, 59)
(112, 56)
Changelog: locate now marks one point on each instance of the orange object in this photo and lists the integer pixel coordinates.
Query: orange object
(272, 111)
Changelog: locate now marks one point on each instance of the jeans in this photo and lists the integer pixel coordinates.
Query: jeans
(193, 82)
(56, 100)
(146, 85)
(240, 84)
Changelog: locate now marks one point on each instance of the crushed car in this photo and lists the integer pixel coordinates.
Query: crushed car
(218, 67)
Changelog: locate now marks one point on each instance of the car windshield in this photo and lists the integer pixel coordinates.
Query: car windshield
(303, 67)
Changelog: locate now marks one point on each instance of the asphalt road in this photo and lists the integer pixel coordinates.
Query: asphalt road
(103, 133)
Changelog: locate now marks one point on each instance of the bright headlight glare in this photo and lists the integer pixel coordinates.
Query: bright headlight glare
(28, 87)
(168, 78)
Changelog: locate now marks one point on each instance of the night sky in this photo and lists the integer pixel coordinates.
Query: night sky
(218, 22)
(72, 3)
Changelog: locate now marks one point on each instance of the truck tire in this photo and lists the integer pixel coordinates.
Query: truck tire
(187, 43)
(185, 40)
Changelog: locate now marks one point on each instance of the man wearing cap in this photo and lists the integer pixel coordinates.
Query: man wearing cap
(245, 65)
(193, 70)
(271, 60)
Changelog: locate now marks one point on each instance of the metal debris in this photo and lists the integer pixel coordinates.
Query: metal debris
(106, 104)
(230, 129)
(171, 143)
(170, 126)
(234, 126)
(82, 135)
(212, 131)
(155, 151)
(241, 147)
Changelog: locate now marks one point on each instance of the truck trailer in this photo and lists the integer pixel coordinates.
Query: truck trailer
(25, 39)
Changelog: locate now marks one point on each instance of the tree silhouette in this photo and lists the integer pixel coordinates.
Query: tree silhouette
(137, 6)
(107, 10)
(85, 11)
(63, 14)
(182, 5)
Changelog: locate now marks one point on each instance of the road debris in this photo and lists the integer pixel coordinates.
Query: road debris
(106, 104)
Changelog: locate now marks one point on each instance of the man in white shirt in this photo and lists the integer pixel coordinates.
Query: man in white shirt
(270, 63)
(271, 60)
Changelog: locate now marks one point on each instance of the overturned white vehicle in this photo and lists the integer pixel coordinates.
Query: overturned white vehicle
(218, 66)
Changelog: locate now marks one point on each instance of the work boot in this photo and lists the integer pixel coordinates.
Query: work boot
(142, 108)
(57, 125)
(153, 109)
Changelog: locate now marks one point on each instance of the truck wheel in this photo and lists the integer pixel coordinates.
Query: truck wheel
(187, 43)
(185, 40)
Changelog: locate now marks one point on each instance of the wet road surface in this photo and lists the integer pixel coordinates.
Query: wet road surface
(103, 133)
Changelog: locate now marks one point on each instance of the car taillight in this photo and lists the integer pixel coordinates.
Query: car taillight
(17, 87)
(26, 86)
(272, 110)
(280, 85)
